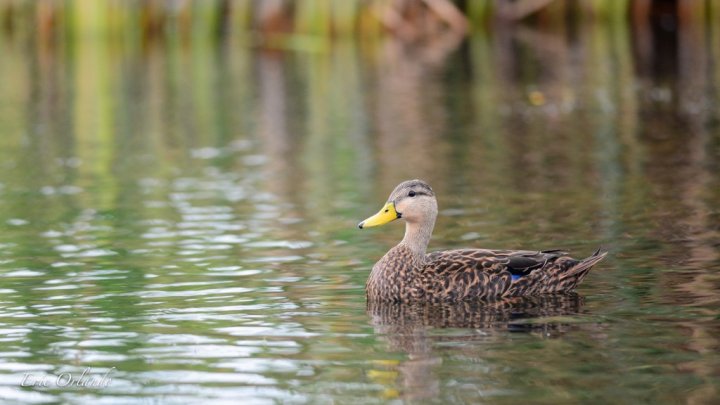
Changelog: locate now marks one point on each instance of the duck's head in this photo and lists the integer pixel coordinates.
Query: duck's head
(412, 200)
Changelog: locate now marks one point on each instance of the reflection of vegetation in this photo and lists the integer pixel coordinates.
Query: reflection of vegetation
(522, 114)
(303, 23)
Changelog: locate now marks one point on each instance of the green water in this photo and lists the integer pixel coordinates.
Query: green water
(181, 215)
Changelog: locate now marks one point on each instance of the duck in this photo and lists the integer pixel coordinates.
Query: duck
(407, 273)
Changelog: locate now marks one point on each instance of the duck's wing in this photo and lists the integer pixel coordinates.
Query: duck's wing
(479, 273)
(558, 274)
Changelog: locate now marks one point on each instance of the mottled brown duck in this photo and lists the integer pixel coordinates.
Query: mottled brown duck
(408, 273)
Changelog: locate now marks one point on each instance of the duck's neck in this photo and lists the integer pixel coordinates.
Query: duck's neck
(417, 237)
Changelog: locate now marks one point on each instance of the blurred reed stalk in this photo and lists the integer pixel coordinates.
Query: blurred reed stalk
(299, 22)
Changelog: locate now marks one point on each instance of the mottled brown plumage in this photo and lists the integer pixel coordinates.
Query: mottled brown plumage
(407, 273)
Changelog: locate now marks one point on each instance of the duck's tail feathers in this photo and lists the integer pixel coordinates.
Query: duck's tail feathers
(560, 276)
(578, 272)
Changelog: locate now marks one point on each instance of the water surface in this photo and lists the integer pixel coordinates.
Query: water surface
(181, 216)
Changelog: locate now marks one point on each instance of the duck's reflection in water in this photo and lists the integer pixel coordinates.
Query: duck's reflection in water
(412, 328)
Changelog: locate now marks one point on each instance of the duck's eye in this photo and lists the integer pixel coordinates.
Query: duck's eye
(411, 194)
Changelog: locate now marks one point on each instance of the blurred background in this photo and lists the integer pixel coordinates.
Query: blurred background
(180, 183)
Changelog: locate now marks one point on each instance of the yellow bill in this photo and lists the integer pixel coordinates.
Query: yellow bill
(386, 214)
